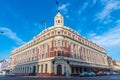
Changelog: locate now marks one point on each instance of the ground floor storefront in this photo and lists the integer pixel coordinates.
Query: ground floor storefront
(55, 67)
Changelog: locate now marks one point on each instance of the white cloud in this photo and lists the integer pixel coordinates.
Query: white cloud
(107, 21)
(64, 8)
(109, 40)
(67, 16)
(109, 6)
(94, 2)
(12, 35)
(85, 5)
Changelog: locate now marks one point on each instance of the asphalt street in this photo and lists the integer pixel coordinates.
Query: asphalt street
(114, 77)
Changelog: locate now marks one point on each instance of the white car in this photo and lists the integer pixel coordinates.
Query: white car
(10, 75)
(115, 73)
(91, 74)
(84, 74)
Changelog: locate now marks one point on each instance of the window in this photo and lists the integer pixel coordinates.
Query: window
(33, 50)
(73, 36)
(58, 21)
(74, 55)
(62, 53)
(44, 36)
(58, 42)
(37, 50)
(72, 69)
(65, 32)
(64, 69)
(58, 32)
(43, 46)
(62, 43)
(42, 56)
(74, 46)
(59, 53)
(55, 53)
(52, 32)
(55, 43)
(46, 68)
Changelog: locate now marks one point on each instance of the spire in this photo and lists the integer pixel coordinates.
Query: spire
(59, 19)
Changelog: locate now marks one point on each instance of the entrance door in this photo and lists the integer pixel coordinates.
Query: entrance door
(59, 70)
(34, 71)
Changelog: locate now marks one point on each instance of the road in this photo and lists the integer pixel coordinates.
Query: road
(114, 77)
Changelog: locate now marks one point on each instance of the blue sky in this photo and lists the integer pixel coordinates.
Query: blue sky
(97, 20)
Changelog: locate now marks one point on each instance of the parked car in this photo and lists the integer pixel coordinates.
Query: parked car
(84, 74)
(115, 73)
(10, 75)
(108, 73)
(91, 74)
(103, 73)
(99, 73)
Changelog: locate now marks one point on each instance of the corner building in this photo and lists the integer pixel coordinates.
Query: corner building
(56, 51)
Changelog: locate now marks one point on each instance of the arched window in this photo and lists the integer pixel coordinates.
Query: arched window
(62, 53)
(55, 53)
(59, 53)
(58, 32)
(74, 55)
(58, 21)
(58, 42)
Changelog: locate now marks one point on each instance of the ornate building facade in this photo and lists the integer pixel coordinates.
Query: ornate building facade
(4, 66)
(58, 50)
(116, 66)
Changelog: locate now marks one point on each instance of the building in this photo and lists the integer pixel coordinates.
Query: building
(110, 63)
(58, 50)
(0, 67)
(4, 66)
(116, 66)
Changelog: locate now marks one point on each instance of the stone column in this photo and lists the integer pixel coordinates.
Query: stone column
(62, 68)
(55, 69)
(69, 68)
(39, 68)
(50, 66)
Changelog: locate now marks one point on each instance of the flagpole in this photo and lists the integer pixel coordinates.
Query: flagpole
(57, 3)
